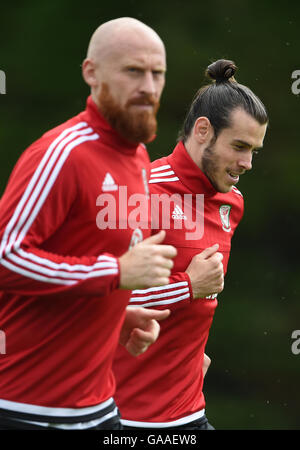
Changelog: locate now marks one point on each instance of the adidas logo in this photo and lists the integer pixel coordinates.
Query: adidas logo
(109, 183)
(178, 213)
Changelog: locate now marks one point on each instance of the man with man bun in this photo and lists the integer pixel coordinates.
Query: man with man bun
(225, 126)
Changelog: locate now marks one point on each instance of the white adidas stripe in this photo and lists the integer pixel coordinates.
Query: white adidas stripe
(160, 174)
(43, 191)
(155, 296)
(65, 266)
(38, 188)
(32, 183)
(34, 276)
(163, 180)
(158, 169)
(160, 288)
(237, 191)
(59, 272)
(162, 302)
(172, 289)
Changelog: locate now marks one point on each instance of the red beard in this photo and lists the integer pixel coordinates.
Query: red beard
(134, 126)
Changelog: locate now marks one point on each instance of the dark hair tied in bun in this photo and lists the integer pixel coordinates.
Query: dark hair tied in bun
(222, 70)
(218, 99)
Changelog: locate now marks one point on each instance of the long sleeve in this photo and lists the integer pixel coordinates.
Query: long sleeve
(35, 206)
(176, 294)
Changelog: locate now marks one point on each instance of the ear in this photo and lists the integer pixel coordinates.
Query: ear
(88, 72)
(203, 130)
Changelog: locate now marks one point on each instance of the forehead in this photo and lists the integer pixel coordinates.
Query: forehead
(245, 128)
(140, 57)
(137, 49)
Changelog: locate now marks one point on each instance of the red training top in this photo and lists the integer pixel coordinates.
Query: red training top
(62, 229)
(163, 387)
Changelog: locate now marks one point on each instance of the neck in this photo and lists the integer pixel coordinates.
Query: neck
(194, 152)
(95, 99)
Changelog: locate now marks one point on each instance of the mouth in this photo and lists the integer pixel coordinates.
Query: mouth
(233, 176)
(146, 102)
(143, 106)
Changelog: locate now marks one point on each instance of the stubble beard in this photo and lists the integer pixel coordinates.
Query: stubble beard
(134, 126)
(210, 166)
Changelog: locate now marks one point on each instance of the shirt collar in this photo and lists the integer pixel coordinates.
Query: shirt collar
(107, 134)
(188, 172)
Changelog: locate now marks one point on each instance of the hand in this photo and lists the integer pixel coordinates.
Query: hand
(141, 329)
(206, 364)
(147, 264)
(206, 272)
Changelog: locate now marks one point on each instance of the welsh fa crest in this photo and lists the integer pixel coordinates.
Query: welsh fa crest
(137, 236)
(224, 214)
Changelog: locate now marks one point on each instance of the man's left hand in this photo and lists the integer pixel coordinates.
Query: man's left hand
(141, 329)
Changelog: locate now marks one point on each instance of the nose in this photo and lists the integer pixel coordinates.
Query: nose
(245, 161)
(148, 84)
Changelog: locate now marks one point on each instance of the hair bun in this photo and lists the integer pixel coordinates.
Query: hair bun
(221, 70)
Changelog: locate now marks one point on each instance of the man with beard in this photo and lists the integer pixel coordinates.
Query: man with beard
(226, 124)
(66, 275)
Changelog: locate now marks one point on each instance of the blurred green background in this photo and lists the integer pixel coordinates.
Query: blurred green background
(253, 379)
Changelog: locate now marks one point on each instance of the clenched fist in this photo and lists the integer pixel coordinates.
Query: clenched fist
(206, 272)
(147, 264)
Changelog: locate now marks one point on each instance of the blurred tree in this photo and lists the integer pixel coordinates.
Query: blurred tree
(252, 382)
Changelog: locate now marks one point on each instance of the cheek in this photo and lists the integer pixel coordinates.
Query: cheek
(160, 88)
(118, 87)
(227, 159)
(124, 93)
(121, 95)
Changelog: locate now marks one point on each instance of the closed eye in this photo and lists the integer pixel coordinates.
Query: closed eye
(244, 148)
(240, 147)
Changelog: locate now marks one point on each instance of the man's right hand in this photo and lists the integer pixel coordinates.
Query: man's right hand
(147, 264)
(206, 272)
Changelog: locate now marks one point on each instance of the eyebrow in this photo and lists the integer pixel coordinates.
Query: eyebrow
(140, 63)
